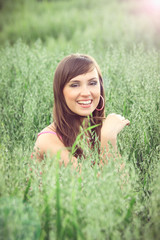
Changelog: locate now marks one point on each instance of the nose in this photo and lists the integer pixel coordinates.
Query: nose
(85, 91)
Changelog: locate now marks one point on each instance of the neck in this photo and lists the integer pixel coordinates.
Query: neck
(85, 122)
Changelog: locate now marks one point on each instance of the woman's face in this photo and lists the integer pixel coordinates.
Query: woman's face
(82, 93)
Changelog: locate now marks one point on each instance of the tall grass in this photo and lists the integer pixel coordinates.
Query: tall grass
(68, 205)
(60, 203)
(62, 23)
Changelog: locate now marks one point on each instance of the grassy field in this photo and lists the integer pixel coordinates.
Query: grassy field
(60, 203)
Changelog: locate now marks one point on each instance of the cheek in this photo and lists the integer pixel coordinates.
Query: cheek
(97, 92)
(68, 95)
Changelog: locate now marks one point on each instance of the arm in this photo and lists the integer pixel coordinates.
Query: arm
(112, 125)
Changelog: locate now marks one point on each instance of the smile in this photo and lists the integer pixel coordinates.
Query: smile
(86, 102)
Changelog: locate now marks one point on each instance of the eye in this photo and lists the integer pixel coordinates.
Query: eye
(73, 85)
(93, 83)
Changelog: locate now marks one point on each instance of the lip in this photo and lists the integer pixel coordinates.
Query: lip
(85, 100)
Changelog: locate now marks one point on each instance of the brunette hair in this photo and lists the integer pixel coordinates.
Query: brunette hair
(67, 123)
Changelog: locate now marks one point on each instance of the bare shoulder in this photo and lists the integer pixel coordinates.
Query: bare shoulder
(48, 141)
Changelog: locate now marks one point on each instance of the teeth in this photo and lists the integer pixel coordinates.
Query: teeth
(85, 102)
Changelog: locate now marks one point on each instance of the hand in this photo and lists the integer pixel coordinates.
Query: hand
(112, 125)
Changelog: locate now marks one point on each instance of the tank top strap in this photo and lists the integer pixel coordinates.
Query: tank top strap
(47, 132)
(51, 132)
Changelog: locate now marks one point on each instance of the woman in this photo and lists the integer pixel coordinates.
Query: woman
(79, 102)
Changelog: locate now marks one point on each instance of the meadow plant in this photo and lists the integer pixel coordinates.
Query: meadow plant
(62, 23)
(60, 203)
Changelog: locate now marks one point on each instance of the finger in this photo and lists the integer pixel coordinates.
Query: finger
(126, 122)
(112, 114)
(120, 117)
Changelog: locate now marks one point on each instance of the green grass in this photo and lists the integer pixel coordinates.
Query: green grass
(62, 23)
(60, 203)
(70, 206)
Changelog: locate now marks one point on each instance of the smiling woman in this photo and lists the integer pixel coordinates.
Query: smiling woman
(78, 103)
(82, 93)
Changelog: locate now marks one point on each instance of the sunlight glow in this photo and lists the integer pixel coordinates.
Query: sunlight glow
(155, 3)
(153, 6)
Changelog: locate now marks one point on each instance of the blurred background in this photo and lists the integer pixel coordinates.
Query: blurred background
(64, 23)
(124, 38)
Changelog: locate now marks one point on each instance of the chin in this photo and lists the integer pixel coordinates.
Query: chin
(84, 114)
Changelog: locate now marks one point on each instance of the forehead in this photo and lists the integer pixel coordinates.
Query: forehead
(86, 76)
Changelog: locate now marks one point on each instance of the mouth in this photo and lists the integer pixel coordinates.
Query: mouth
(85, 102)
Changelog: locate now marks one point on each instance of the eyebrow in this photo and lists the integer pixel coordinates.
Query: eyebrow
(76, 80)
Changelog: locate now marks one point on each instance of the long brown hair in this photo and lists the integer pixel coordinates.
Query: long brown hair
(67, 123)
